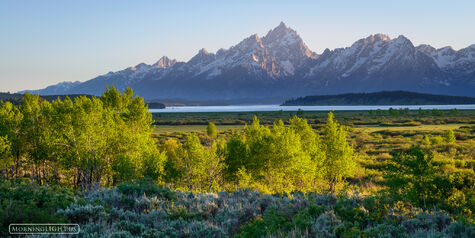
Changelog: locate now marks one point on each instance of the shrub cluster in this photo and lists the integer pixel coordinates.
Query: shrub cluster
(146, 210)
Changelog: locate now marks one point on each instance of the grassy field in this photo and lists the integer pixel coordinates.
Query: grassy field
(377, 117)
(164, 129)
(433, 128)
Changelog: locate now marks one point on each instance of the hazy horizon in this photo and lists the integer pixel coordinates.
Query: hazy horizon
(49, 42)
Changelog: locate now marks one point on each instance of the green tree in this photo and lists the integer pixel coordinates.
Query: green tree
(426, 140)
(128, 132)
(450, 137)
(173, 173)
(313, 147)
(36, 136)
(236, 157)
(214, 165)
(409, 173)
(194, 158)
(10, 128)
(421, 112)
(5, 157)
(339, 158)
(435, 140)
(281, 159)
(211, 130)
(437, 112)
(81, 133)
(393, 112)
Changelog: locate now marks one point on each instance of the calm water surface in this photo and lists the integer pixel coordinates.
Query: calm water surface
(267, 108)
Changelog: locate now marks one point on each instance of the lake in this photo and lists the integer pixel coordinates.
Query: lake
(264, 108)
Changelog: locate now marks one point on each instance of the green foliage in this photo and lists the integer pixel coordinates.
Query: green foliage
(437, 112)
(339, 156)
(449, 137)
(435, 140)
(194, 167)
(88, 143)
(211, 130)
(143, 208)
(279, 159)
(24, 202)
(410, 174)
(145, 187)
(5, 158)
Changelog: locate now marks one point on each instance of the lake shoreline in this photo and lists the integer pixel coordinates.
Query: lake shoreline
(270, 108)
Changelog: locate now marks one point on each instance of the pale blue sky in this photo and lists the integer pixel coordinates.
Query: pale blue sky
(46, 42)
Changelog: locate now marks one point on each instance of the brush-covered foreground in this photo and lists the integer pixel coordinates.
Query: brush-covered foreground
(143, 209)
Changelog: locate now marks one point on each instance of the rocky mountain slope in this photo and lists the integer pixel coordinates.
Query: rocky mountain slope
(281, 65)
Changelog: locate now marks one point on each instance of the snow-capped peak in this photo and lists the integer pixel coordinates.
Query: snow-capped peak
(203, 56)
(164, 62)
(461, 62)
(369, 55)
(287, 48)
(377, 37)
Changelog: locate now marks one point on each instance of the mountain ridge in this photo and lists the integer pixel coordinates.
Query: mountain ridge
(281, 65)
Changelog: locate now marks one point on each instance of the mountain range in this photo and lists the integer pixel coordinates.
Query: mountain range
(281, 65)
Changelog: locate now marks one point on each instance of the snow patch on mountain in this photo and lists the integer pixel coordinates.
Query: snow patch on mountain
(461, 62)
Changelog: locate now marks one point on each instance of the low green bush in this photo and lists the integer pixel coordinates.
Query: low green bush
(24, 202)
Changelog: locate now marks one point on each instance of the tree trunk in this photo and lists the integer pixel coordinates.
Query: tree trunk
(210, 183)
(17, 162)
(423, 193)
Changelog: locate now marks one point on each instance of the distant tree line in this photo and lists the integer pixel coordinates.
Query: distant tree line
(17, 99)
(380, 98)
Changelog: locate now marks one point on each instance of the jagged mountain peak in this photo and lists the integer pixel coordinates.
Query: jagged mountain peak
(282, 35)
(403, 39)
(280, 31)
(282, 25)
(203, 51)
(248, 44)
(164, 62)
(382, 38)
(457, 63)
(203, 56)
(377, 37)
(287, 48)
(372, 55)
(426, 49)
(381, 43)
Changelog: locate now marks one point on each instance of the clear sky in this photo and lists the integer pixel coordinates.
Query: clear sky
(46, 42)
